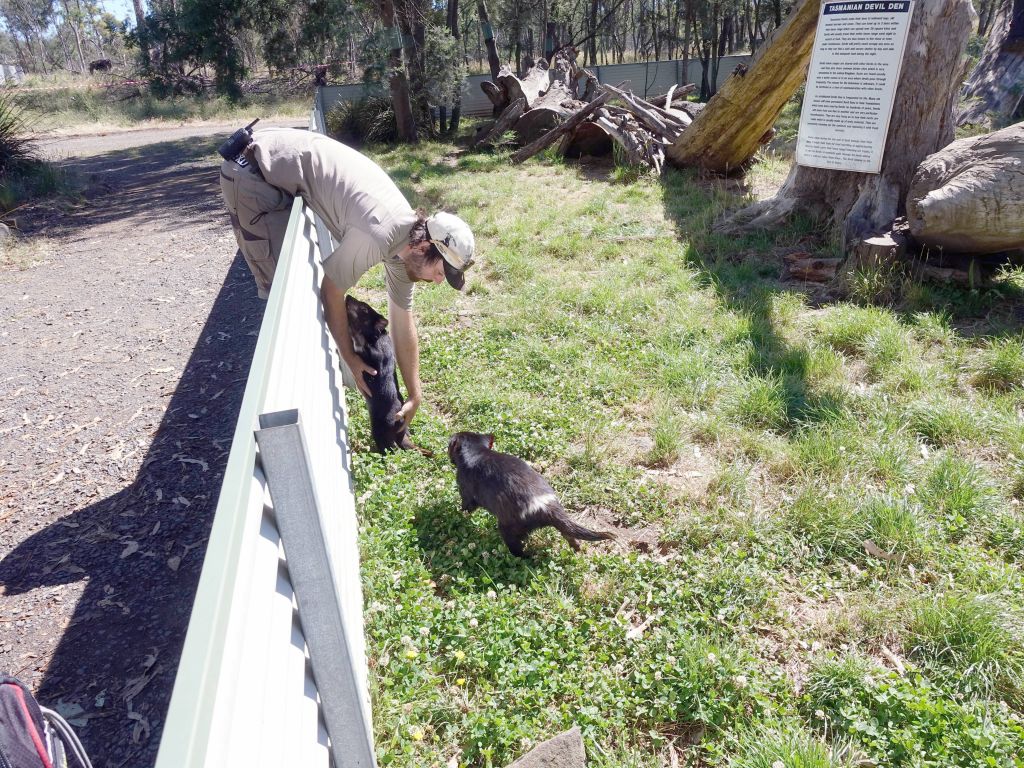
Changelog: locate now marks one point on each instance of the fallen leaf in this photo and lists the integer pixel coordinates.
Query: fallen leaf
(130, 549)
(72, 713)
(876, 551)
(173, 563)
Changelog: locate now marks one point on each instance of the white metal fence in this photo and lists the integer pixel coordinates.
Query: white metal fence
(245, 693)
(645, 79)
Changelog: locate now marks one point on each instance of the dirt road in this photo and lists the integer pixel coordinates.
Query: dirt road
(123, 358)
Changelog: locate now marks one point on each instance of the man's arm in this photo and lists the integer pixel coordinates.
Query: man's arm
(407, 352)
(333, 299)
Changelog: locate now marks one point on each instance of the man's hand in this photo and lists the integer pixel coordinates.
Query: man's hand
(409, 410)
(358, 368)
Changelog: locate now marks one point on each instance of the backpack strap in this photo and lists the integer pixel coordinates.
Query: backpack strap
(67, 736)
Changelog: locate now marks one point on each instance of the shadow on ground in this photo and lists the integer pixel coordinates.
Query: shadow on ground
(748, 270)
(142, 184)
(136, 604)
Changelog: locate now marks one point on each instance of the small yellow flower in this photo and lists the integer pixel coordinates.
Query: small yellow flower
(461, 681)
(459, 655)
(416, 732)
(411, 653)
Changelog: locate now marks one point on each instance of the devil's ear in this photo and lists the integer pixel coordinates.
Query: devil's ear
(490, 442)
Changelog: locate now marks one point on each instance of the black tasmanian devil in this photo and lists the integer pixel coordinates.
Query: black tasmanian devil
(371, 341)
(511, 490)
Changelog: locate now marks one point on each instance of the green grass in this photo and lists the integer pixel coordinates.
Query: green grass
(662, 378)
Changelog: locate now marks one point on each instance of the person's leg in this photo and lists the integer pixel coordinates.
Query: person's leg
(259, 216)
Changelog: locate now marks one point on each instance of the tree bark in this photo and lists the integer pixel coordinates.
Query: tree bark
(400, 97)
(453, 29)
(492, 47)
(727, 133)
(552, 136)
(922, 122)
(994, 90)
(969, 196)
(74, 21)
(140, 28)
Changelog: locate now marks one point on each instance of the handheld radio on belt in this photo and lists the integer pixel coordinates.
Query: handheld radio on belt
(233, 148)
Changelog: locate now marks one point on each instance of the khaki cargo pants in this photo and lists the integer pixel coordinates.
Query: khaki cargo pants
(259, 215)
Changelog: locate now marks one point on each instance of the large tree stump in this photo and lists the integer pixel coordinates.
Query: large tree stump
(969, 196)
(727, 133)
(922, 122)
(530, 87)
(994, 88)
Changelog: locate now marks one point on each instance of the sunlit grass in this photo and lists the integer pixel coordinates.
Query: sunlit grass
(814, 480)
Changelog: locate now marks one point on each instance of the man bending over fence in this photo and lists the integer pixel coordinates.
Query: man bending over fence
(371, 221)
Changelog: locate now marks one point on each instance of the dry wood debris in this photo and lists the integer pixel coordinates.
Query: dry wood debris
(544, 107)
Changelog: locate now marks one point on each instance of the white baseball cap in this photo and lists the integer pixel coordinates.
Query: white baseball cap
(454, 239)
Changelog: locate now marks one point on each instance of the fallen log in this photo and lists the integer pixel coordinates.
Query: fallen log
(553, 135)
(641, 146)
(495, 95)
(655, 118)
(803, 266)
(548, 110)
(538, 121)
(677, 93)
(969, 196)
(505, 122)
(589, 138)
(529, 88)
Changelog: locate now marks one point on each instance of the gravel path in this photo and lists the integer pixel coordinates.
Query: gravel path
(123, 358)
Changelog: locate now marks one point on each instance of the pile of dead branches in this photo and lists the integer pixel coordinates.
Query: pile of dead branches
(545, 106)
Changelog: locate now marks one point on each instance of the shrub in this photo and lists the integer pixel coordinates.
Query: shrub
(17, 144)
(366, 120)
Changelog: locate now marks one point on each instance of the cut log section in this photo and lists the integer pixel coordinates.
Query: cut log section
(552, 136)
(969, 196)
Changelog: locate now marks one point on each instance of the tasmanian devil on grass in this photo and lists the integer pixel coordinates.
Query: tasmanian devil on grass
(511, 490)
(371, 341)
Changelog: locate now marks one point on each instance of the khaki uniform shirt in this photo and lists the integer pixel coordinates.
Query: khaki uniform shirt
(367, 214)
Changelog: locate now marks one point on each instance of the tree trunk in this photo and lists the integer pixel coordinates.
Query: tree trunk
(140, 28)
(994, 89)
(728, 132)
(453, 29)
(592, 31)
(492, 48)
(985, 12)
(400, 97)
(73, 21)
(969, 196)
(922, 123)
(414, 33)
(550, 39)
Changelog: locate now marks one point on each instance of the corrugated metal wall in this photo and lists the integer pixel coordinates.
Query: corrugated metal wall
(645, 79)
(244, 692)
